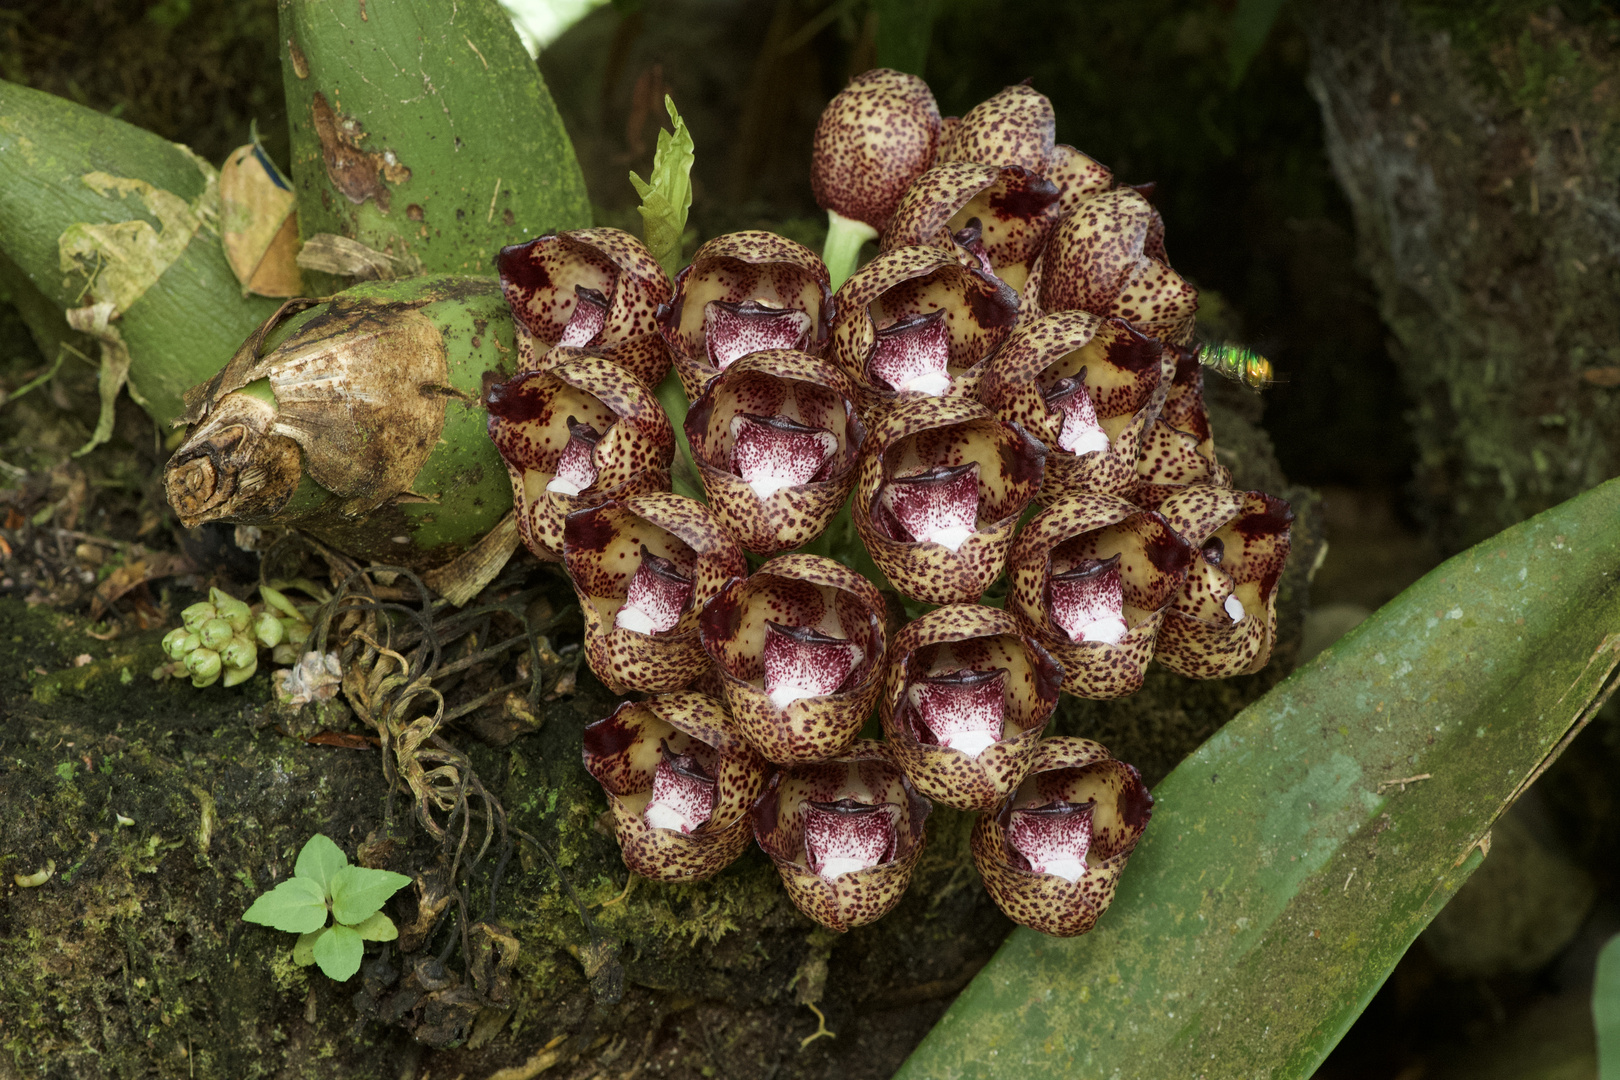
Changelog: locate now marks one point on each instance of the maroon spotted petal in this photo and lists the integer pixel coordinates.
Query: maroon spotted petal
(1080, 433)
(1088, 601)
(844, 836)
(1052, 839)
(732, 331)
(939, 505)
(803, 662)
(911, 354)
(964, 709)
(588, 319)
(774, 452)
(683, 788)
(659, 595)
(576, 468)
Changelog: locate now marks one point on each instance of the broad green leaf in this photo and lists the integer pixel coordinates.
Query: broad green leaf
(1606, 1010)
(1293, 858)
(297, 906)
(304, 947)
(319, 861)
(668, 196)
(338, 952)
(377, 928)
(357, 892)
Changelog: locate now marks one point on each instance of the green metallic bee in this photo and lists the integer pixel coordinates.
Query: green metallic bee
(1237, 362)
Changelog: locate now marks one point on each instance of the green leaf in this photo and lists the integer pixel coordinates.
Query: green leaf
(903, 31)
(1606, 1010)
(304, 947)
(297, 906)
(358, 892)
(1293, 858)
(338, 952)
(377, 928)
(1251, 25)
(666, 199)
(319, 861)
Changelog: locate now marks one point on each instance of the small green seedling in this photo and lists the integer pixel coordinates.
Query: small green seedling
(322, 882)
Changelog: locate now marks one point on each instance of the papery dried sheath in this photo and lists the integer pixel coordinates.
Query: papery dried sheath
(775, 438)
(587, 289)
(844, 834)
(872, 140)
(799, 646)
(1224, 619)
(965, 701)
(744, 292)
(642, 567)
(941, 485)
(574, 436)
(356, 420)
(679, 784)
(1091, 576)
(1051, 859)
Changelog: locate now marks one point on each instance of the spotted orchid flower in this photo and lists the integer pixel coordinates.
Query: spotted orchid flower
(679, 784)
(642, 568)
(1052, 856)
(844, 834)
(940, 488)
(998, 217)
(588, 291)
(775, 438)
(799, 649)
(1016, 127)
(1092, 576)
(965, 700)
(916, 322)
(1178, 448)
(743, 293)
(573, 436)
(1224, 619)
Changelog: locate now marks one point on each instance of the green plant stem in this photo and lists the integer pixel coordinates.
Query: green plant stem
(842, 251)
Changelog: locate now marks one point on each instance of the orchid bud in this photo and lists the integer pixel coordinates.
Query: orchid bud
(202, 664)
(642, 568)
(743, 293)
(775, 438)
(595, 289)
(178, 642)
(215, 633)
(942, 483)
(240, 673)
(1224, 619)
(1051, 859)
(575, 436)
(1015, 127)
(916, 321)
(1091, 578)
(799, 646)
(193, 616)
(1184, 407)
(1107, 257)
(966, 699)
(679, 783)
(845, 834)
(239, 652)
(230, 609)
(996, 218)
(1170, 460)
(1086, 387)
(1076, 176)
(268, 629)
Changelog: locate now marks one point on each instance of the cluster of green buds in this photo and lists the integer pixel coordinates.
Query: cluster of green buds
(220, 638)
(1019, 341)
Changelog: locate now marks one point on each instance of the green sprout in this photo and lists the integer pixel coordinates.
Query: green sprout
(667, 198)
(323, 883)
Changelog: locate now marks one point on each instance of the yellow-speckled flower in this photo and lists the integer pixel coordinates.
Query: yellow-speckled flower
(573, 436)
(679, 783)
(966, 699)
(643, 567)
(844, 834)
(775, 438)
(915, 321)
(1016, 127)
(1091, 578)
(744, 292)
(1087, 387)
(1224, 619)
(799, 646)
(1051, 859)
(997, 217)
(872, 141)
(1108, 258)
(940, 488)
(589, 289)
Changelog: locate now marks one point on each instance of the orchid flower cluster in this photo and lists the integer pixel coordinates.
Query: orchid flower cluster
(1020, 340)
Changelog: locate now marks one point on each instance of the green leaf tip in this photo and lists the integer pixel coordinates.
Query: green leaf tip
(357, 893)
(297, 905)
(667, 198)
(319, 861)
